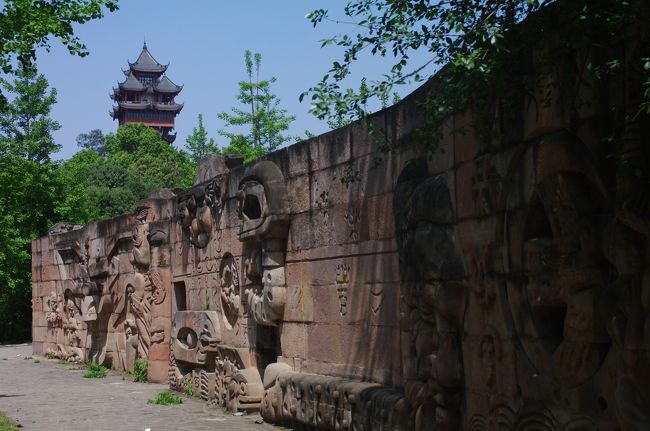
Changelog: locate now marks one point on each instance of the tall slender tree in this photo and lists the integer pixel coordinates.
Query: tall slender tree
(28, 192)
(267, 123)
(198, 145)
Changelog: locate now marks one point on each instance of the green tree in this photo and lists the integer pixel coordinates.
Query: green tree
(262, 113)
(93, 140)
(26, 25)
(473, 41)
(137, 162)
(198, 145)
(28, 192)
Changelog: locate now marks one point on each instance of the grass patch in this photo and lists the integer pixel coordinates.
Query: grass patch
(188, 388)
(166, 399)
(27, 358)
(49, 355)
(62, 362)
(36, 361)
(95, 371)
(7, 424)
(140, 371)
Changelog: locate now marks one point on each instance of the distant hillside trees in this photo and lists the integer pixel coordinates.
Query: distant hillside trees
(136, 161)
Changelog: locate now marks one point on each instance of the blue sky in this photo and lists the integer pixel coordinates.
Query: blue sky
(204, 40)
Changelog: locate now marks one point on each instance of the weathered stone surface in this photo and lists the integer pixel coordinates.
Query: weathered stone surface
(500, 282)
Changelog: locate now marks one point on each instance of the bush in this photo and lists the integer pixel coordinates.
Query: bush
(166, 399)
(140, 371)
(95, 371)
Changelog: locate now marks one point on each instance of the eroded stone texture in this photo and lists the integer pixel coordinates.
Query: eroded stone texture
(503, 283)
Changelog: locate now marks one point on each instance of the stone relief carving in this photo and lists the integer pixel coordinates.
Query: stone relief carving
(221, 374)
(53, 313)
(229, 290)
(323, 402)
(628, 307)
(199, 210)
(433, 297)
(264, 211)
(342, 281)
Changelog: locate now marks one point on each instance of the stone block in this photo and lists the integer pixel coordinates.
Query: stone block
(298, 193)
(442, 158)
(36, 246)
(293, 339)
(330, 149)
(377, 216)
(37, 304)
(50, 273)
(157, 371)
(361, 143)
(300, 303)
(466, 146)
(298, 158)
(38, 319)
(37, 348)
(325, 342)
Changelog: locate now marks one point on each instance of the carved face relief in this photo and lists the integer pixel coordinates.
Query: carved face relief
(229, 290)
(199, 211)
(432, 272)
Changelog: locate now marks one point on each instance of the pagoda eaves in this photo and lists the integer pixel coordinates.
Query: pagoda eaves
(147, 95)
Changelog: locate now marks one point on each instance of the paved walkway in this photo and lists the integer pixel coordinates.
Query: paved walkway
(45, 395)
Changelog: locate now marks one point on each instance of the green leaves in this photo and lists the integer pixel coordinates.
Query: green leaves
(462, 33)
(29, 190)
(198, 145)
(260, 127)
(26, 25)
(137, 162)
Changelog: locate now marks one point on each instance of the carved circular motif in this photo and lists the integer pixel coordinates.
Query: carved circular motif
(554, 302)
(229, 290)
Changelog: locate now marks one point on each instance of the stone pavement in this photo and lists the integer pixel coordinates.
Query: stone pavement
(49, 396)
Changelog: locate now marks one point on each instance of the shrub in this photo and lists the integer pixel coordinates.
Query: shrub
(95, 371)
(166, 399)
(140, 371)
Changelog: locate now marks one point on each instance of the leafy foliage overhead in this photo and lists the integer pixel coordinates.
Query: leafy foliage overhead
(26, 25)
(472, 40)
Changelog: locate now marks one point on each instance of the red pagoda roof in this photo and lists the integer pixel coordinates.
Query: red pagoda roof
(146, 63)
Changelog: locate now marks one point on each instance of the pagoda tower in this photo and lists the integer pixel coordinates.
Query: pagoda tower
(147, 96)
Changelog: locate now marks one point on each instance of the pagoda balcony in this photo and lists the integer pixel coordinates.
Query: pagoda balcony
(162, 106)
(134, 105)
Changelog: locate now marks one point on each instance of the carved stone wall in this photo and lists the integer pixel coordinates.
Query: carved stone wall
(501, 282)
(106, 291)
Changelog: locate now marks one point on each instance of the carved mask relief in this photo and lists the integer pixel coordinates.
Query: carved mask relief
(264, 212)
(433, 296)
(199, 210)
